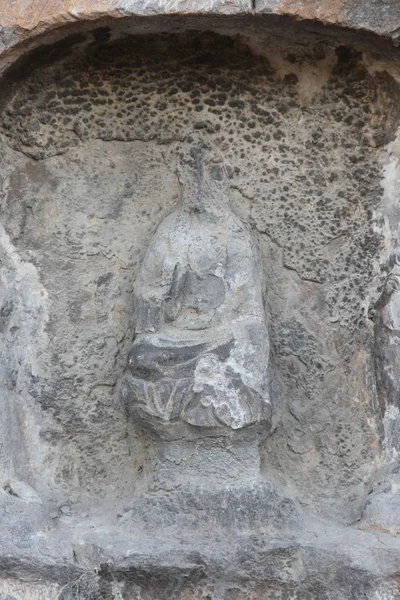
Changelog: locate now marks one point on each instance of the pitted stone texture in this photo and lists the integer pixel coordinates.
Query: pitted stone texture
(301, 131)
(122, 92)
(69, 220)
(86, 245)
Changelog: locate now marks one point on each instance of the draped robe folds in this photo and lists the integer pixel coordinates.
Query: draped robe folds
(200, 354)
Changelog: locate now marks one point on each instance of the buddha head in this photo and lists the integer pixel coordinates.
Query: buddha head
(203, 175)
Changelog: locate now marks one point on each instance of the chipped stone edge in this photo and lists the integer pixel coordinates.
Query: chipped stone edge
(16, 31)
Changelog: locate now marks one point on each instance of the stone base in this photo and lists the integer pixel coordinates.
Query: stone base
(212, 462)
(89, 562)
(212, 484)
(232, 509)
(202, 529)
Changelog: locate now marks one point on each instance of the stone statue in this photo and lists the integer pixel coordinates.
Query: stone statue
(200, 354)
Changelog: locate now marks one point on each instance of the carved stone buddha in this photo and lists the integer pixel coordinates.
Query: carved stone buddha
(200, 353)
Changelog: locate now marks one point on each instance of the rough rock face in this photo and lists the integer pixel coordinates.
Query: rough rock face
(310, 191)
(134, 156)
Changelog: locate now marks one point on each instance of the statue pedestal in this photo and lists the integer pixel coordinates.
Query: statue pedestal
(212, 484)
(210, 462)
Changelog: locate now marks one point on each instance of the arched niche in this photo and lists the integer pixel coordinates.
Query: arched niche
(92, 117)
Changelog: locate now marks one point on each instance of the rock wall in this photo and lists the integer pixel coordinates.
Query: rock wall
(302, 136)
(92, 125)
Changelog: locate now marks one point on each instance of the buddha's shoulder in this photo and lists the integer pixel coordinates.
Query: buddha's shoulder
(238, 227)
(170, 223)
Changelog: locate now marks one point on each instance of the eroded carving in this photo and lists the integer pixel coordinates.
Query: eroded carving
(201, 349)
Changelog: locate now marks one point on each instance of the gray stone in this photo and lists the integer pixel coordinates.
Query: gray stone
(278, 139)
(382, 507)
(201, 346)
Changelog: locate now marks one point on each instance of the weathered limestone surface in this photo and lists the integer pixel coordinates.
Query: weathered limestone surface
(140, 143)
(201, 345)
(25, 18)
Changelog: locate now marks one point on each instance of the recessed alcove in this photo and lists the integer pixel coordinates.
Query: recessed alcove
(92, 121)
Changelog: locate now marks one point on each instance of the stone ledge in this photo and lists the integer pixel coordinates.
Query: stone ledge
(324, 563)
(380, 17)
(27, 19)
(36, 16)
